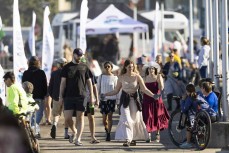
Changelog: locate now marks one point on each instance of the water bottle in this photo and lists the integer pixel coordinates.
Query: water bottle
(92, 109)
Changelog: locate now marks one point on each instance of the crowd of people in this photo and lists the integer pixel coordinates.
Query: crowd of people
(138, 91)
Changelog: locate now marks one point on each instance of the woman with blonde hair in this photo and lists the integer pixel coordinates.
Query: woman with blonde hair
(131, 126)
(204, 56)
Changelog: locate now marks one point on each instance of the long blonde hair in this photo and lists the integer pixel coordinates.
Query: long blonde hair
(126, 63)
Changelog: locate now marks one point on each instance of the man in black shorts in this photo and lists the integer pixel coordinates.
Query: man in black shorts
(75, 76)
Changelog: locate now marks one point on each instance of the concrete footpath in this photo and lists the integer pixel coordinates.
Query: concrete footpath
(60, 145)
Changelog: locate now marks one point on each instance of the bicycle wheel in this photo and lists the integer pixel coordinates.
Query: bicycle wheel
(202, 130)
(177, 133)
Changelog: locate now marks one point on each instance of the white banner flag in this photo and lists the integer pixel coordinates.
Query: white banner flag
(83, 22)
(0, 23)
(156, 33)
(47, 45)
(19, 59)
(32, 36)
(2, 86)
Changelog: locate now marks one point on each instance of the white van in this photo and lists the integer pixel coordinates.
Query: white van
(175, 24)
(64, 31)
(8, 38)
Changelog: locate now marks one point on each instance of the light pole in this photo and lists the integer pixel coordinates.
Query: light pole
(135, 38)
(191, 30)
(224, 35)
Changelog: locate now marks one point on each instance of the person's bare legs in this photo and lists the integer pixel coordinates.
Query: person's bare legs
(69, 121)
(105, 122)
(109, 121)
(79, 124)
(48, 101)
(91, 121)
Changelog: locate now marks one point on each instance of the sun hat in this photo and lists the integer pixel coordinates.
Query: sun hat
(153, 64)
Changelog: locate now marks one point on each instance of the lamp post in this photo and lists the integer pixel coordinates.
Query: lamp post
(135, 43)
(191, 30)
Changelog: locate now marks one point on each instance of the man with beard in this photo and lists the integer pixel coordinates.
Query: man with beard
(75, 76)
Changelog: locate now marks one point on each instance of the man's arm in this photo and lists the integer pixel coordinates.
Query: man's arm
(90, 87)
(62, 89)
(95, 91)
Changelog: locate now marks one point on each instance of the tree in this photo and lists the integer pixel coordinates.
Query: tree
(26, 7)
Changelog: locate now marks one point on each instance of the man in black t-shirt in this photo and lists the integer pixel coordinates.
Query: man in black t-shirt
(75, 76)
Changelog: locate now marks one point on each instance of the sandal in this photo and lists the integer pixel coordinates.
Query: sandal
(157, 137)
(78, 143)
(95, 141)
(126, 144)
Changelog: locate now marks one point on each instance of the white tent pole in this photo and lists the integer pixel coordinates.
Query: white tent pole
(147, 38)
(135, 45)
(143, 43)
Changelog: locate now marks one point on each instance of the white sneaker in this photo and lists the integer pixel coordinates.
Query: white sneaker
(186, 145)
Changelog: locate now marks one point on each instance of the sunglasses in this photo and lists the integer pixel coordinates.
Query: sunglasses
(107, 66)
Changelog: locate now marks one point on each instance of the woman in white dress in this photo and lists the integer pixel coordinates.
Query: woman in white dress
(131, 126)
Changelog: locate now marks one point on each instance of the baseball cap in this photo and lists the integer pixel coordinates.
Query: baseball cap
(141, 61)
(61, 60)
(78, 52)
(209, 80)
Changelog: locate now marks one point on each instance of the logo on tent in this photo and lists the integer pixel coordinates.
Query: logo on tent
(113, 29)
(137, 28)
(111, 19)
(90, 30)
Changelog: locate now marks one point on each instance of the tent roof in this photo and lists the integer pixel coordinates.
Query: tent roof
(112, 20)
(95, 11)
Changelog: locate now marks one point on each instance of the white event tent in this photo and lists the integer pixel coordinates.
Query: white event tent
(112, 20)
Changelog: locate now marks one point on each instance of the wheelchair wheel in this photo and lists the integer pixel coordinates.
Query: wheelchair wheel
(177, 133)
(33, 142)
(202, 130)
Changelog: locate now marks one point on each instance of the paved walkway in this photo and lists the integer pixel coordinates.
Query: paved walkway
(60, 145)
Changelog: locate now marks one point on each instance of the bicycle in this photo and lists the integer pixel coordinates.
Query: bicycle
(32, 141)
(201, 131)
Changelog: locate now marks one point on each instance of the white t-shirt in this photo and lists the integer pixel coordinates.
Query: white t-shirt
(107, 83)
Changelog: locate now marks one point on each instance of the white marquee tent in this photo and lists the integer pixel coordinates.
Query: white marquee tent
(112, 20)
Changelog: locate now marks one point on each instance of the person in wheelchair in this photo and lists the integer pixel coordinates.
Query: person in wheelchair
(214, 88)
(209, 95)
(190, 104)
(32, 105)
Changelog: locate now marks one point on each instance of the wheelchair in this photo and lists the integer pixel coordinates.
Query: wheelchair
(201, 131)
